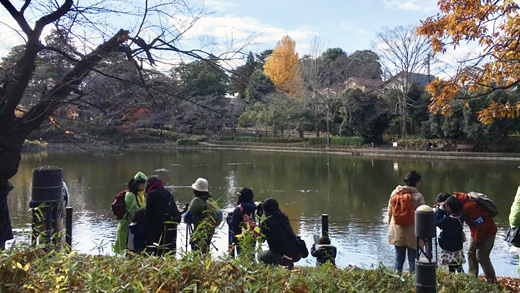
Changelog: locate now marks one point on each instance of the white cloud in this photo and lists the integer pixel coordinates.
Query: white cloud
(424, 5)
(218, 6)
(223, 30)
(8, 37)
(451, 61)
(362, 31)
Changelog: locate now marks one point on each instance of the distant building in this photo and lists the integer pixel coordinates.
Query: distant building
(364, 84)
(396, 81)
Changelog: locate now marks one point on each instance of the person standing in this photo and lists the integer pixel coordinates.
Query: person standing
(6, 231)
(247, 207)
(134, 199)
(283, 247)
(451, 239)
(197, 215)
(514, 219)
(162, 217)
(403, 202)
(483, 231)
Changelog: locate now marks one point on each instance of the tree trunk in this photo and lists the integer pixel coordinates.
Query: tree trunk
(403, 116)
(13, 131)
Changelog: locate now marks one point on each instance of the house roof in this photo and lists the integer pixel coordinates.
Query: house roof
(417, 78)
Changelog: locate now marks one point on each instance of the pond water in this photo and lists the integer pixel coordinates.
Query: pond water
(354, 191)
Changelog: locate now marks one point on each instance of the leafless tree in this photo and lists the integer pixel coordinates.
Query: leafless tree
(403, 53)
(153, 34)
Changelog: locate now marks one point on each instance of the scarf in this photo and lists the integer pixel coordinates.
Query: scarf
(141, 200)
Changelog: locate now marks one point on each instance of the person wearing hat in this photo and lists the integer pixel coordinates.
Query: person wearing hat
(202, 233)
(283, 247)
(246, 206)
(134, 199)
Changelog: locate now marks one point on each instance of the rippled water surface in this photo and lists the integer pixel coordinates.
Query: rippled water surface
(353, 191)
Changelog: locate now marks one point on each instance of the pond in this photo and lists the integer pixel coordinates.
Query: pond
(354, 191)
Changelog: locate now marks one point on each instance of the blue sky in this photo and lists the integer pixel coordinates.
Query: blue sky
(348, 24)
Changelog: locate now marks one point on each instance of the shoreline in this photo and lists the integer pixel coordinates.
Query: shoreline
(355, 152)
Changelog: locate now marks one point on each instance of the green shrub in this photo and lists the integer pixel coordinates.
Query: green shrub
(420, 143)
(186, 141)
(259, 139)
(279, 140)
(337, 140)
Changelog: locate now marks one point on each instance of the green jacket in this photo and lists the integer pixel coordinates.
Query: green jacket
(514, 216)
(196, 210)
(122, 229)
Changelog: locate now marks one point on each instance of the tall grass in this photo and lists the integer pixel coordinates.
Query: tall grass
(34, 270)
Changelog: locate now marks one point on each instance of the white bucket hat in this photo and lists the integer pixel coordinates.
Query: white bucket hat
(200, 185)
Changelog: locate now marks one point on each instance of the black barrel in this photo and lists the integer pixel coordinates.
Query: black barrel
(425, 279)
(425, 224)
(47, 185)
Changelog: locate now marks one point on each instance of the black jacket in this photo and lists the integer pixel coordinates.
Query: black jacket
(6, 231)
(450, 238)
(279, 235)
(324, 253)
(237, 222)
(157, 212)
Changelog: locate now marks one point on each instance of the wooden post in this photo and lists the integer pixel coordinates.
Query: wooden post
(68, 228)
(34, 227)
(324, 225)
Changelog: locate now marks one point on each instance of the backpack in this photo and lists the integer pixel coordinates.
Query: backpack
(250, 223)
(484, 202)
(302, 247)
(118, 205)
(403, 209)
(213, 214)
(171, 213)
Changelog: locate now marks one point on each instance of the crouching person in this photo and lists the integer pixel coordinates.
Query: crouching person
(276, 229)
(325, 252)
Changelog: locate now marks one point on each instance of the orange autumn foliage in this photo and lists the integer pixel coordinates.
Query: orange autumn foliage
(495, 25)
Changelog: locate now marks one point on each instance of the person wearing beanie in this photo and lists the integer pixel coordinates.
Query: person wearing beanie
(162, 217)
(276, 229)
(246, 206)
(134, 199)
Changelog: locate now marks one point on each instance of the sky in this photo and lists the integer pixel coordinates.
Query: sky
(347, 24)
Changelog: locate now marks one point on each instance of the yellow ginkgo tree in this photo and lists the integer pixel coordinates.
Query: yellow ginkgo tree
(283, 68)
(495, 25)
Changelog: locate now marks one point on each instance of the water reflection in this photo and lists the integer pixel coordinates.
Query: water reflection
(354, 192)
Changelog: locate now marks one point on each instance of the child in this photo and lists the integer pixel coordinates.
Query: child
(325, 251)
(137, 233)
(451, 238)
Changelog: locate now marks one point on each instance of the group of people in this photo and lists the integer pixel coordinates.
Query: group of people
(452, 210)
(151, 218)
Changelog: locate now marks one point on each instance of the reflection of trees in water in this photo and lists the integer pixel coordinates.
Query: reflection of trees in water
(352, 190)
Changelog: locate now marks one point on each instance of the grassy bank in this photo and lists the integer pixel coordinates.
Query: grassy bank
(32, 270)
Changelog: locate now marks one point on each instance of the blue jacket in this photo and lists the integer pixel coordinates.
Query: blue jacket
(450, 238)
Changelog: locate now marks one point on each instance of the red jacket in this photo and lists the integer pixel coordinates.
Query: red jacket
(480, 223)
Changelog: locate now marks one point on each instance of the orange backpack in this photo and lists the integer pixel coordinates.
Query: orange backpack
(403, 209)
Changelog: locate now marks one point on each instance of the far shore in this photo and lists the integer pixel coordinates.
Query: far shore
(365, 152)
